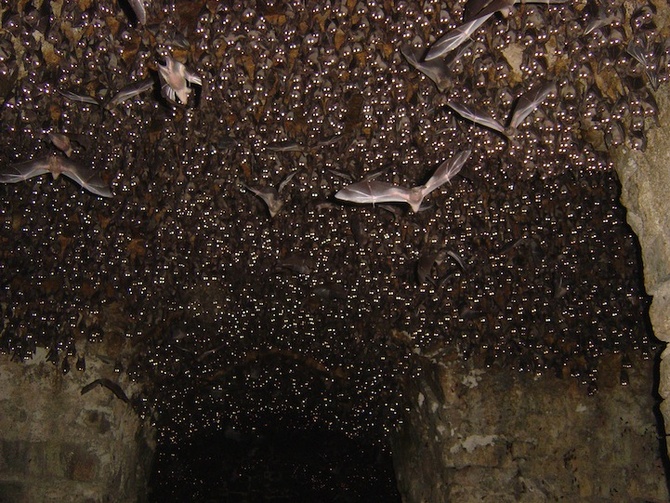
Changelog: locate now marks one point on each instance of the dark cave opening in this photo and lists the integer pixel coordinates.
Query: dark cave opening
(273, 464)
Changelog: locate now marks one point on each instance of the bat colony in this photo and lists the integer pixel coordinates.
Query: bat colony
(176, 81)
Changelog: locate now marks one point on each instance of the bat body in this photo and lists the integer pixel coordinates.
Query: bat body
(62, 143)
(56, 165)
(525, 105)
(175, 79)
(374, 192)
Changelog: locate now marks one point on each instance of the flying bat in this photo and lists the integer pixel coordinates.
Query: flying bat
(374, 192)
(270, 195)
(110, 385)
(56, 165)
(476, 14)
(525, 105)
(175, 79)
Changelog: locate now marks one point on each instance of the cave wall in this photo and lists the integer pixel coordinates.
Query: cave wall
(57, 444)
(645, 181)
(491, 435)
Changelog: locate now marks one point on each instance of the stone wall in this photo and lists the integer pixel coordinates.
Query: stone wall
(497, 436)
(59, 445)
(645, 181)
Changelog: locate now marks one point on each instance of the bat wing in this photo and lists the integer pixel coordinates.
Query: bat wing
(139, 10)
(445, 172)
(131, 91)
(23, 170)
(373, 192)
(285, 182)
(455, 37)
(86, 177)
(528, 102)
(481, 118)
(434, 70)
(79, 97)
(476, 9)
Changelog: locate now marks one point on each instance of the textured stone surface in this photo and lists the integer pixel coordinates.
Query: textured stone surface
(59, 445)
(645, 180)
(493, 436)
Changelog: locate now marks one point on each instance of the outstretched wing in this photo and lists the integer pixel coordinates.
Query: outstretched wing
(23, 170)
(86, 177)
(139, 10)
(131, 91)
(528, 102)
(445, 172)
(373, 192)
(481, 118)
(455, 37)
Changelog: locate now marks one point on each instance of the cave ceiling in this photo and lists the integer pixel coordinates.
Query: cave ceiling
(226, 309)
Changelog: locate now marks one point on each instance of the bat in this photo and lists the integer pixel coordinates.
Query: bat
(110, 385)
(131, 91)
(175, 79)
(270, 195)
(476, 14)
(434, 70)
(56, 165)
(524, 106)
(374, 192)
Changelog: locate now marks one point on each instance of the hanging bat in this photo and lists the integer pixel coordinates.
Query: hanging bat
(525, 105)
(270, 195)
(175, 79)
(110, 385)
(56, 165)
(374, 192)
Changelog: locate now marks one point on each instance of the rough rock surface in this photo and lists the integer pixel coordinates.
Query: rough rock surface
(488, 435)
(59, 445)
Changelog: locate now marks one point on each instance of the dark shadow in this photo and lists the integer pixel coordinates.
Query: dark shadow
(277, 465)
